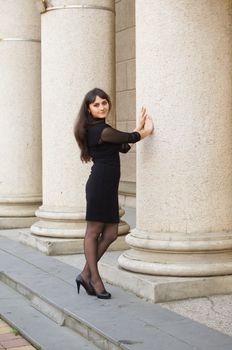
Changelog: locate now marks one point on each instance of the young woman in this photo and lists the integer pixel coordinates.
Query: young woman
(101, 143)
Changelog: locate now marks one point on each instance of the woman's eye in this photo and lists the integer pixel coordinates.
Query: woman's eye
(96, 105)
(104, 103)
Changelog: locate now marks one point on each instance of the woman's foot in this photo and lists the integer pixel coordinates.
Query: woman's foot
(80, 281)
(99, 290)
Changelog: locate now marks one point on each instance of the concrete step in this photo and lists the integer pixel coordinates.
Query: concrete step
(124, 322)
(38, 329)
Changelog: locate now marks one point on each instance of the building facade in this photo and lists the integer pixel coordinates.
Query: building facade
(172, 56)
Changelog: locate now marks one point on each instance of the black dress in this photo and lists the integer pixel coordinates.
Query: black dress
(105, 143)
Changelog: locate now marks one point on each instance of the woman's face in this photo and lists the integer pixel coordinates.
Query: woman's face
(99, 108)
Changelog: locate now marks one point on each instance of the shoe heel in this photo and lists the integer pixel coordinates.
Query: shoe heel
(85, 285)
(78, 286)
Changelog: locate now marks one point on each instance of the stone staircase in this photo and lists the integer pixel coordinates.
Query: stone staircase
(38, 297)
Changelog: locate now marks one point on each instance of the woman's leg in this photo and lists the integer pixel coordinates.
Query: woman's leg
(109, 234)
(93, 232)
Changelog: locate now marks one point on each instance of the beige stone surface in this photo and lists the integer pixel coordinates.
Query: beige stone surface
(104, 3)
(125, 106)
(125, 83)
(127, 199)
(67, 246)
(19, 19)
(127, 186)
(121, 74)
(125, 18)
(184, 171)
(72, 64)
(20, 132)
(125, 44)
(128, 167)
(19, 222)
(189, 95)
(214, 311)
(125, 73)
(127, 126)
(130, 73)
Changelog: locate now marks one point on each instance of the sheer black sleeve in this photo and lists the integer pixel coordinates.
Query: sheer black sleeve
(124, 148)
(115, 136)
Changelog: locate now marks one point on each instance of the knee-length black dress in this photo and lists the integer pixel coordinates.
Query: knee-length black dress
(105, 143)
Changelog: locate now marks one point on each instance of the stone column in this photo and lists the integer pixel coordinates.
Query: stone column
(20, 135)
(184, 171)
(77, 55)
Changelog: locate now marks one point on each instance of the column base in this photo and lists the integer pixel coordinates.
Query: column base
(63, 246)
(66, 224)
(18, 212)
(17, 222)
(159, 289)
(63, 232)
(206, 254)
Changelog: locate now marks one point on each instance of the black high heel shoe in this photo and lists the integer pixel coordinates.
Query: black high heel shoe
(103, 295)
(88, 287)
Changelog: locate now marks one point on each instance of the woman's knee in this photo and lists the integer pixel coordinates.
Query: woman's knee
(114, 236)
(111, 232)
(93, 230)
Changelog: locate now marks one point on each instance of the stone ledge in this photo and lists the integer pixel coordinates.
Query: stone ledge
(162, 288)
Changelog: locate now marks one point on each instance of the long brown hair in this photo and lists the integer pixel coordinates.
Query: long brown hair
(84, 120)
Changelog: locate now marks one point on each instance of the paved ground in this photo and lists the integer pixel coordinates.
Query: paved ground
(33, 285)
(215, 311)
(11, 340)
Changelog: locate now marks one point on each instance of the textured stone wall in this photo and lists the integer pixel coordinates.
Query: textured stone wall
(125, 92)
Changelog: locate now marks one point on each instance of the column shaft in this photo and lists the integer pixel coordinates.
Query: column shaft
(20, 134)
(184, 172)
(77, 55)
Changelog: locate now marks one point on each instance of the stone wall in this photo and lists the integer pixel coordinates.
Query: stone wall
(125, 92)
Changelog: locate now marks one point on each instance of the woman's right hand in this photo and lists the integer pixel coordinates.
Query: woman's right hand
(142, 119)
(149, 126)
(145, 124)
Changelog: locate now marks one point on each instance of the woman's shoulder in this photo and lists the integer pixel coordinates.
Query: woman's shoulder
(94, 132)
(95, 128)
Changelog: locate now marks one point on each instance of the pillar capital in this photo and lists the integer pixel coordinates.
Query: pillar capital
(45, 6)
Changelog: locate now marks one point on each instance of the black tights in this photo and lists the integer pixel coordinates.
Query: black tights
(98, 238)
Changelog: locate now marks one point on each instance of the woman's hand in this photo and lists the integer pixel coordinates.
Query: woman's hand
(149, 126)
(145, 124)
(142, 119)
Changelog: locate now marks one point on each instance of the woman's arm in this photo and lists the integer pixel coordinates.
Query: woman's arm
(144, 128)
(145, 124)
(112, 135)
(124, 147)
